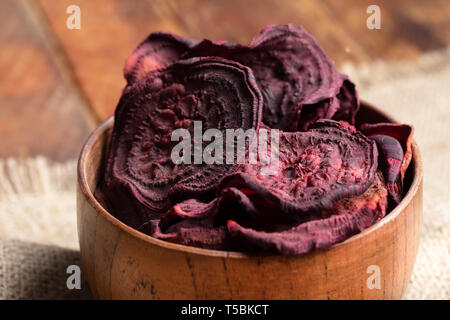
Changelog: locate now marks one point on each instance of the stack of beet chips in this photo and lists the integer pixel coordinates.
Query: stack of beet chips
(331, 181)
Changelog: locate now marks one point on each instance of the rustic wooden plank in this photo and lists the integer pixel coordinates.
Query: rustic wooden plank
(408, 28)
(40, 113)
(240, 21)
(110, 30)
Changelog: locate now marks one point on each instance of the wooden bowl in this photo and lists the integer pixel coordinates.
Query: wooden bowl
(123, 263)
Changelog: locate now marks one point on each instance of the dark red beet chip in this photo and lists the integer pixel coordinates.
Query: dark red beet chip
(347, 102)
(310, 113)
(157, 51)
(222, 49)
(294, 53)
(197, 233)
(316, 168)
(394, 144)
(346, 218)
(200, 233)
(290, 67)
(194, 209)
(343, 107)
(192, 222)
(221, 94)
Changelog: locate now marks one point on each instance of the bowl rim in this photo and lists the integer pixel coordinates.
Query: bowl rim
(89, 196)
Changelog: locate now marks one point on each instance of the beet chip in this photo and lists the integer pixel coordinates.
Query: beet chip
(140, 171)
(316, 168)
(291, 69)
(192, 223)
(197, 233)
(342, 107)
(346, 218)
(394, 143)
(157, 51)
(348, 102)
(194, 209)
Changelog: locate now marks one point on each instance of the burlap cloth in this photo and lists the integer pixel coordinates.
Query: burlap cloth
(38, 237)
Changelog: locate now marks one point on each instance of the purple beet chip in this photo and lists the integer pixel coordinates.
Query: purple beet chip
(157, 51)
(291, 69)
(140, 171)
(394, 143)
(316, 168)
(346, 218)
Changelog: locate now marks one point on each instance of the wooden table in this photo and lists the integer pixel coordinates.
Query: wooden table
(56, 84)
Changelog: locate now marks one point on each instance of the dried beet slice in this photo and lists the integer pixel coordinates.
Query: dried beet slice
(300, 59)
(222, 49)
(394, 143)
(346, 218)
(221, 94)
(200, 233)
(343, 107)
(194, 209)
(190, 209)
(195, 223)
(316, 168)
(310, 113)
(157, 51)
(347, 101)
(290, 67)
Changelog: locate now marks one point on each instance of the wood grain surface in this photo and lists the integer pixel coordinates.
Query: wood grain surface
(40, 111)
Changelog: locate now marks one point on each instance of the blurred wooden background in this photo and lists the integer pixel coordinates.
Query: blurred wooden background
(56, 84)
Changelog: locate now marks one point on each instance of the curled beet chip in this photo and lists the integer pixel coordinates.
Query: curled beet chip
(194, 209)
(222, 49)
(342, 107)
(217, 93)
(316, 168)
(191, 232)
(347, 102)
(290, 67)
(394, 144)
(157, 51)
(297, 61)
(190, 209)
(197, 233)
(202, 233)
(193, 222)
(310, 113)
(346, 218)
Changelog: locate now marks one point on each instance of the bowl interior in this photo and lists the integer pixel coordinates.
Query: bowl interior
(91, 166)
